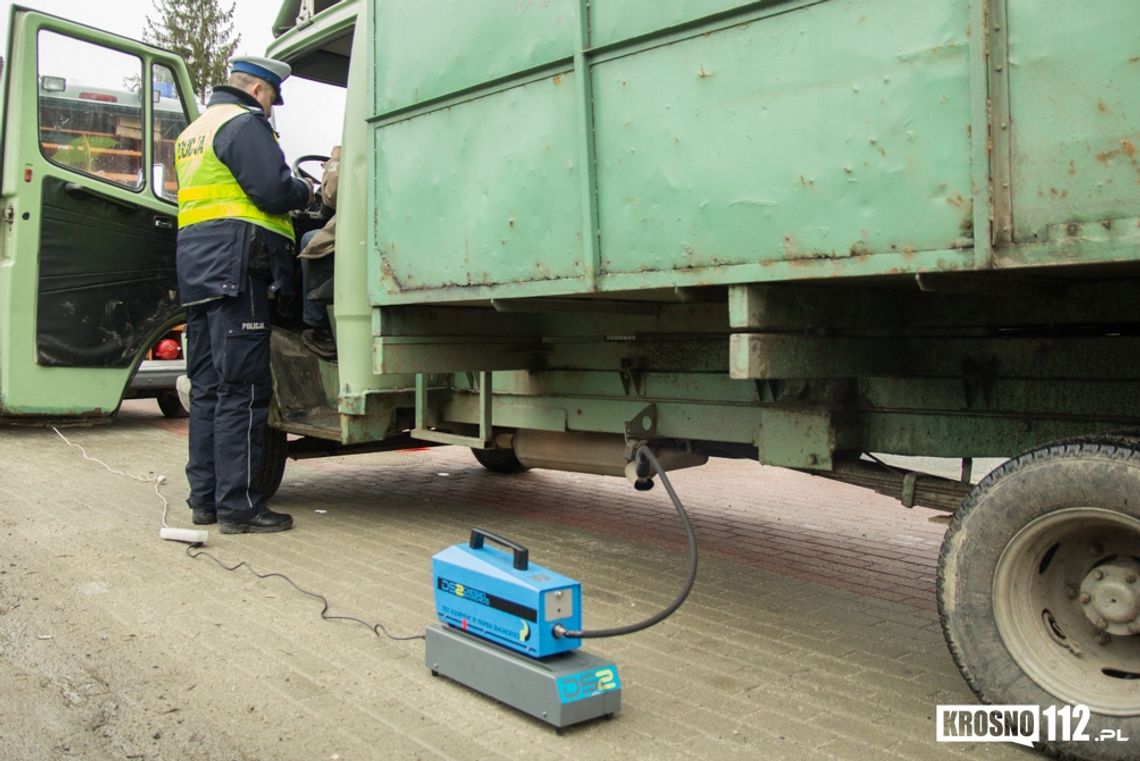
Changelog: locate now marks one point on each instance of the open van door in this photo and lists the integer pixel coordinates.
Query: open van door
(87, 280)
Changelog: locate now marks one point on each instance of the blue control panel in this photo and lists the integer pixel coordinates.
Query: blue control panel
(504, 598)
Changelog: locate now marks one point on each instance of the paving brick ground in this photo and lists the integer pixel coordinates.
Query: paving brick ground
(811, 632)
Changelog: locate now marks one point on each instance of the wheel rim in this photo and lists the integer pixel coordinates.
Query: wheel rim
(1067, 607)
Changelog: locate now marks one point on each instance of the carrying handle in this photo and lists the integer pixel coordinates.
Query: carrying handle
(521, 554)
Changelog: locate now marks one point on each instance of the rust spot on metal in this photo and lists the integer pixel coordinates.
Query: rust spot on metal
(811, 257)
(1102, 106)
(909, 251)
(806, 182)
(790, 248)
(1072, 229)
(957, 200)
(557, 80)
(797, 257)
(389, 275)
(860, 248)
(1126, 149)
(1072, 168)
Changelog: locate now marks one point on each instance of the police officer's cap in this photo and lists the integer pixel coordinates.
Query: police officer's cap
(271, 70)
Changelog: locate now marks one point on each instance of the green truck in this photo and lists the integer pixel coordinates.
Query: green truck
(792, 231)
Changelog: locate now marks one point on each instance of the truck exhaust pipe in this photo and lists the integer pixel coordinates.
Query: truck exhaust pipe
(598, 453)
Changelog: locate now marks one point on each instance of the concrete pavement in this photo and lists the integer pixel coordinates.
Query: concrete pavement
(811, 632)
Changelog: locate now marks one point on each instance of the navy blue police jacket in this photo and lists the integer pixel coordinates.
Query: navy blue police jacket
(214, 257)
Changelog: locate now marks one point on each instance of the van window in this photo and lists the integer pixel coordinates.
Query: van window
(90, 109)
(169, 120)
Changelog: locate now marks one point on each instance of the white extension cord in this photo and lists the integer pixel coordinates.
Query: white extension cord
(170, 533)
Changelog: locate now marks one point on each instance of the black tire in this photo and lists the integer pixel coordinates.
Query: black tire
(268, 480)
(499, 460)
(1015, 556)
(171, 405)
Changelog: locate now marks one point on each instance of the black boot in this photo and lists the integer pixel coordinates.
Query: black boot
(264, 522)
(320, 341)
(203, 516)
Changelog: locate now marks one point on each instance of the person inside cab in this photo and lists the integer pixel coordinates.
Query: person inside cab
(317, 247)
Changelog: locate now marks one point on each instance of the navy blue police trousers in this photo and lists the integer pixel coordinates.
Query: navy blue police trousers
(228, 364)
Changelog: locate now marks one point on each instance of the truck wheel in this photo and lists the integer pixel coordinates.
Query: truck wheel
(273, 463)
(499, 460)
(1039, 589)
(171, 405)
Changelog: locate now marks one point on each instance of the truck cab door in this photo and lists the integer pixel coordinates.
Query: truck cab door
(87, 280)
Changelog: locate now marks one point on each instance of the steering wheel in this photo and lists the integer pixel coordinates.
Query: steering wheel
(307, 159)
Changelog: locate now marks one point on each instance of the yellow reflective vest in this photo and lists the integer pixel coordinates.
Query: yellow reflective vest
(207, 188)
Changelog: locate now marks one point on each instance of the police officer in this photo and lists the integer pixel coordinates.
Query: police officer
(235, 244)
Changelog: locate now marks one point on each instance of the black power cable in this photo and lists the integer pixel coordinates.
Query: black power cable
(646, 457)
(376, 629)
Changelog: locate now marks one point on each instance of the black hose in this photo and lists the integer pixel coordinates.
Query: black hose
(560, 631)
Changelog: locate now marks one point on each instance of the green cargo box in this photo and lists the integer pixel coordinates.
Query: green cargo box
(563, 148)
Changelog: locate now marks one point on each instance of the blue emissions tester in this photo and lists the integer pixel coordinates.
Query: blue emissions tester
(511, 629)
(498, 614)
